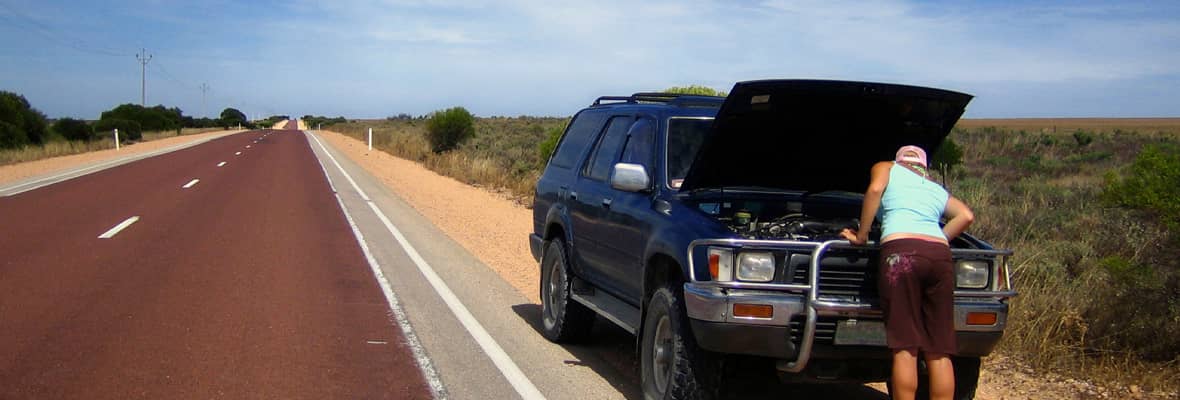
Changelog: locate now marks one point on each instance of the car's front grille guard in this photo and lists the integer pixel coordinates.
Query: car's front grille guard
(813, 304)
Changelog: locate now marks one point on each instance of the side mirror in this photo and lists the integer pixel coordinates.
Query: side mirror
(630, 178)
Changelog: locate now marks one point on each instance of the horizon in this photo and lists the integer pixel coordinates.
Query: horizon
(374, 59)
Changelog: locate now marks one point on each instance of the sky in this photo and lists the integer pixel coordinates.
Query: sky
(379, 58)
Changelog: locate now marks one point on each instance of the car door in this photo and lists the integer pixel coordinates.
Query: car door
(586, 201)
(628, 216)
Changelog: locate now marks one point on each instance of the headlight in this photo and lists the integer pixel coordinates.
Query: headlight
(721, 264)
(755, 267)
(972, 274)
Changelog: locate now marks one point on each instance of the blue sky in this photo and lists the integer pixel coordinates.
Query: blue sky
(372, 59)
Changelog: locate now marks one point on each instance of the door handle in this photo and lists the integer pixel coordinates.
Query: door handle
(573, 195)
(607, 202)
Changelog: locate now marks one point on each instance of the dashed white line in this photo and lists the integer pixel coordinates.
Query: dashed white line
(221, 164)
(190, 184)
(121, 226)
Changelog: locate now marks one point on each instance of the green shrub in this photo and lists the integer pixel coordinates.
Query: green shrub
(1150, 184)
(74, 129)
(1083, 138)
(946, 158)
(446, 129)
(128, 130)
(695, 90)
(21, 124)
(545, 147)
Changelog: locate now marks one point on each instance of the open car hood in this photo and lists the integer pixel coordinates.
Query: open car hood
(815, 136)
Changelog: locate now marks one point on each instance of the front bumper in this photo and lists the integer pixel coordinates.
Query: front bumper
(716, 329)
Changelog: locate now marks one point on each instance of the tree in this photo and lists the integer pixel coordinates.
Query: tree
(446, 129)
(128, 129)
(20, 124)
(695, 90)
(231, 117)
(74, 129)
(158, 118)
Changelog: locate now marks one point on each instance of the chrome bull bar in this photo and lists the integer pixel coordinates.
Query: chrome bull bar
(813, 305)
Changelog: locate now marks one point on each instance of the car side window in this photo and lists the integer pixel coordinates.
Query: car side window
(607, 151)
(581, 131)
(638, 149)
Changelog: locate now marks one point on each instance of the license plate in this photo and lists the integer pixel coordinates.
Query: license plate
(860, 333)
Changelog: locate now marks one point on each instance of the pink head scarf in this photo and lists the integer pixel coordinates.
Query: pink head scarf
(920, 157)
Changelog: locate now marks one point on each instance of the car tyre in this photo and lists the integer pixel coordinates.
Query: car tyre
(562, 319)
(673, 367)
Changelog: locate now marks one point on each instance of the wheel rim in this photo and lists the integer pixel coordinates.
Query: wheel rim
(555, 277)
(661, 355)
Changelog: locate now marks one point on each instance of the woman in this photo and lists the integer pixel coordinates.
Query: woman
(917, 280)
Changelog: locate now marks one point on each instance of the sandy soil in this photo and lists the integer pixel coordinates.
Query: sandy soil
(16, 172)
(489, 226)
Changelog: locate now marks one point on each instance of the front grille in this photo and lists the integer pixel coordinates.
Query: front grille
(825, 329)
(845, 275)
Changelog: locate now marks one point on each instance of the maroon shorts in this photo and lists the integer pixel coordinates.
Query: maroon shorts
(917, 285)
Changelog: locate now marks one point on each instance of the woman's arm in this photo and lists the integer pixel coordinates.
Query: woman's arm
(872, 202)
(959, 217)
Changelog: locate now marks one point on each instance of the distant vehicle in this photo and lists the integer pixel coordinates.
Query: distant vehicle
(709, 228)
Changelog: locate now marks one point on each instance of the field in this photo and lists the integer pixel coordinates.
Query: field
(1099, 282)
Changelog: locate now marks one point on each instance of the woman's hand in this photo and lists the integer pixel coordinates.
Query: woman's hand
(853, 237)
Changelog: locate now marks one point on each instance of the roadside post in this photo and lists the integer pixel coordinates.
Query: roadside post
(116, 138)
(370, 139)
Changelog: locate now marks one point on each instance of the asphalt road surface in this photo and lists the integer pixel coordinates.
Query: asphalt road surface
(267, 265)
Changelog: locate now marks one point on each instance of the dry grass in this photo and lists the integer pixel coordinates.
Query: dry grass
(1038, 192)
(61, 147)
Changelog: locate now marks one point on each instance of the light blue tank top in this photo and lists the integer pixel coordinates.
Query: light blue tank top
(911, 204)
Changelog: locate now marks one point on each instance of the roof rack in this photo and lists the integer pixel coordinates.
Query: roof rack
(672, 99)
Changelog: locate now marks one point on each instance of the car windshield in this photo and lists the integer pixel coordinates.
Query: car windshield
(685, 136)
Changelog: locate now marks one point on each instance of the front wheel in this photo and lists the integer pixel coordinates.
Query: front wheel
(673, 366)
(563, 320)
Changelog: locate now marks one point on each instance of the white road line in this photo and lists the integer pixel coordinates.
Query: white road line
(190, 184)
(437, 391)
(524, 387)
(121, 226)
(221, 164)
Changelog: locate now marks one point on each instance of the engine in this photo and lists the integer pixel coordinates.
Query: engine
(789, 227)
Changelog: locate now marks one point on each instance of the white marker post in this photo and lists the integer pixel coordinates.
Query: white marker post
(370, 139)
(116, 138)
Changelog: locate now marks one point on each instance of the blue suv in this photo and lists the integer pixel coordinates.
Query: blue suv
(708, 227)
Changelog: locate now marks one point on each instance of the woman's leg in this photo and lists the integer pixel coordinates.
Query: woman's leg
(942, 376)
(905, 374)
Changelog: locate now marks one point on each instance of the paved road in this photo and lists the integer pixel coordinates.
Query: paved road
(246, 284)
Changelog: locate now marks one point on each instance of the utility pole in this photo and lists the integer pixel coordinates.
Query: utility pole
(204, 90)
(143, 58)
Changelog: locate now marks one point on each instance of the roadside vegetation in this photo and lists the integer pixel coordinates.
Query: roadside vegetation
(27, 135)
(1091, 211)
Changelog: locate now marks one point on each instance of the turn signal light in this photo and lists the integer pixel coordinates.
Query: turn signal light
(753, 310)
(714, 260)
(981, 318)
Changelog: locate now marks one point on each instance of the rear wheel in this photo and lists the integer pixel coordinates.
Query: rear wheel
(563, 320)
(673, 367)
